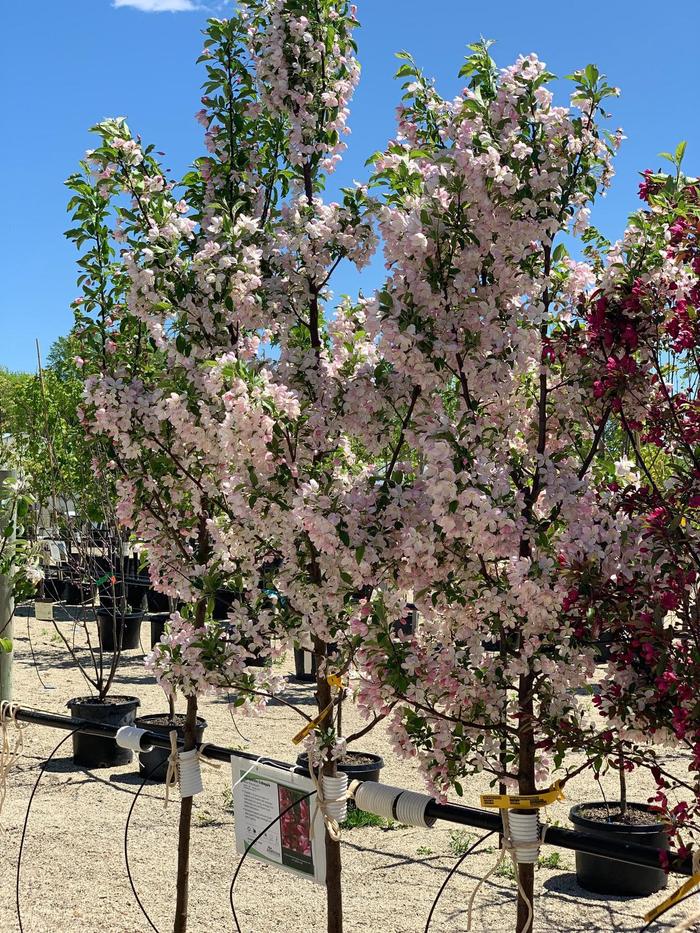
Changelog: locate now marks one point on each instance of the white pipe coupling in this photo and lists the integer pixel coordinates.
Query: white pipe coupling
(335, 796)
(189, 774)
(524, 836)
(130, 737)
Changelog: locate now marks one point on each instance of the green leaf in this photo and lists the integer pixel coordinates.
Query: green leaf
(5, 645)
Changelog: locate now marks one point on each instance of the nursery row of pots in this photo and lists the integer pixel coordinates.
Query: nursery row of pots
(594, 873)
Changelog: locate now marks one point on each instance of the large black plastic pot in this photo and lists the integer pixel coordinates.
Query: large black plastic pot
(93, 751)
(126, 629)
(158, 622)
(304, 665)
(75, 594)
(223, 600)
(157, 602)
(608, 876)
(154, 764)
(136, 592)
(365, 771)
(54, 588)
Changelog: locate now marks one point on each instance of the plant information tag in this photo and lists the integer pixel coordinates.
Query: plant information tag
(295, 842)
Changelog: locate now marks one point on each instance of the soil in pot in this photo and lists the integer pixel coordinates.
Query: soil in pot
(641, 826)
(154, 764)
(93, 751)
(359, 766)
(118, 632)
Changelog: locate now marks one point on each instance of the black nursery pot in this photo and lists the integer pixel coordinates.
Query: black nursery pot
(154, 764)
(74, 594)
(93, 751)
(158, 623)
(127, 629)
(305, 665)
(364, 771)
(54, 588)
(609, 876)
(223, 600)
(136, 592)
(157, 602)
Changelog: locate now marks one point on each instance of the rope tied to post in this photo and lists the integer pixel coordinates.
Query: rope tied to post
(172, 774)
(9, 752)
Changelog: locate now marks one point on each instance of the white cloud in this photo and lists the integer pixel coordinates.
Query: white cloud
(158, 6)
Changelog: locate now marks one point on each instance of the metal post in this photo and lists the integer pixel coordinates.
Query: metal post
(7, 605)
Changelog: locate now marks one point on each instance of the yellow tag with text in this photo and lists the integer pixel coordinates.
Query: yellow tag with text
(523, 801)
(310, 726)
(335, 680)
(673, 898)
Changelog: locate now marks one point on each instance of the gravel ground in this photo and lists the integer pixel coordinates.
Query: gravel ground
(73, 877)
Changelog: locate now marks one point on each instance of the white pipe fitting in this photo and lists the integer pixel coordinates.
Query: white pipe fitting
(525, 836)
(335, 800)
(130, 737)
(189, 774)
(411, 807)
(377, 798)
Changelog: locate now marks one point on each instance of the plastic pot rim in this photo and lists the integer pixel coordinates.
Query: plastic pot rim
(586, 823)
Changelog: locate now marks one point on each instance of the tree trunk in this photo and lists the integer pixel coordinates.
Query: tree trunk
(183, 843)
(623, 780)
(526, 785)
(334, 891)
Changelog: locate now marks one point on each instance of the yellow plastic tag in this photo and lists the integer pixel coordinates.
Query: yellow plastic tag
(310, 726)
(335, 680)
(673, 898)
(523, 801)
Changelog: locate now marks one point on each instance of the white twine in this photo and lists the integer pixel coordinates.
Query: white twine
(246, 773)
(171, 776)
(9, 753)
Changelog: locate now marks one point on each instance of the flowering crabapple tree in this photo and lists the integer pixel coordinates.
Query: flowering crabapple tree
(644, 335)
(240, 413)
(479, 323)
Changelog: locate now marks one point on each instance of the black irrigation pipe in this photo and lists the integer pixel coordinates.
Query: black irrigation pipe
(449, 812)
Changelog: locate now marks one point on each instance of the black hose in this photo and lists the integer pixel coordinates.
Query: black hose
(451, 873)
(26, 822)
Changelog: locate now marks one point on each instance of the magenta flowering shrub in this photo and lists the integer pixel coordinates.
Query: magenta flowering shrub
(645, 336)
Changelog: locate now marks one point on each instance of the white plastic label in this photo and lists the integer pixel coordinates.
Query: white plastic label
(263, 793)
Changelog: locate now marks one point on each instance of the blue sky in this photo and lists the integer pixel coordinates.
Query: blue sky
(66, 64)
